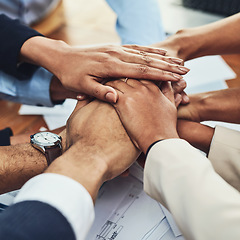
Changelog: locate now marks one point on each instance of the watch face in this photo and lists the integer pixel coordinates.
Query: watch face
(45, 138)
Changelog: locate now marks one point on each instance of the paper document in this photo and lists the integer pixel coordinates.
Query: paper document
(55, 117)
(124, 211)
(207, 74)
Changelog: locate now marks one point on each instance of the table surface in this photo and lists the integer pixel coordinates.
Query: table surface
(76, 25)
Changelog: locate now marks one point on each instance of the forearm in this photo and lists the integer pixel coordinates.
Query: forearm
(222, 105)
(103, 141)
(198, 135)
(87, 161)
(44, 52)
(221, 37)
(18, 164)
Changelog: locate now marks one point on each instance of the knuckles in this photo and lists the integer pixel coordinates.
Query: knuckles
(146, 59)
(143, 69)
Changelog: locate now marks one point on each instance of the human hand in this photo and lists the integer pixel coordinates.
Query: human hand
(92, 66)
(183, 44)
(192, 111)
(173, 47)
(99, 129)
(147, 113)
(84, 69)
(59, 93)
(179, 94)
(95, 143)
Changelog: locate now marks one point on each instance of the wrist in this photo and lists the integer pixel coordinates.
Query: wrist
(202, 103)
(25, 162)
(41, 51)
(154, 138)
(186, 44)
(197, 134)
(75, 164)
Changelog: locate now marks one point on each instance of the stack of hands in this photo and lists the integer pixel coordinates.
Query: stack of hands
(147, 110)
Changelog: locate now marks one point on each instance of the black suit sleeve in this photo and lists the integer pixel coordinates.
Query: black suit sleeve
(12, 36)
(5, 135)
(34, 220)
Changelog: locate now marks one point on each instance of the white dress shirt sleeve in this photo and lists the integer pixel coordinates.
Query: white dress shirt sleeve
(203, 205)
(69, 197)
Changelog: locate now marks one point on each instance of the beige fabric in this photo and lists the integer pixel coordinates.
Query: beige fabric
(225, 155)
(204, 206)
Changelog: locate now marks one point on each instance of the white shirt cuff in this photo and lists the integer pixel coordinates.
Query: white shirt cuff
(69, 197)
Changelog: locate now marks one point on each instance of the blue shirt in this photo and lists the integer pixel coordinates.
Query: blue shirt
(138, 22)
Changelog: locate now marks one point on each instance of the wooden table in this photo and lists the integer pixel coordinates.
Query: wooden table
(78, 25)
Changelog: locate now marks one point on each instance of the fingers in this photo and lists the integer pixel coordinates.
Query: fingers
(151, 61)
(179, 86)
(142, 71)
(123, 86)
(168, 91)
(171, 60)
(178, 99)
(185, 98)
(102, 92)
(146, 49)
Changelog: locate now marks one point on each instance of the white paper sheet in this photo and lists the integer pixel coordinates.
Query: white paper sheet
(124, 211)
(207, 74)
(61, 109)
(55, 117)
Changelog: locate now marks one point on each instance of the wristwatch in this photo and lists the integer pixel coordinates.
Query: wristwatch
(50, 144)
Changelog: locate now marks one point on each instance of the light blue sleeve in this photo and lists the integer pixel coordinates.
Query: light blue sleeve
(138, 21)
(33, 91)
(27, 11)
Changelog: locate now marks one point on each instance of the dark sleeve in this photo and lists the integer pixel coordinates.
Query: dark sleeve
(5, 135)
(30, 220)
(12, 36)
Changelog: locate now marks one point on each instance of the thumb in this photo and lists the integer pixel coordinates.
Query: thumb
(167, 91)
(102, 92)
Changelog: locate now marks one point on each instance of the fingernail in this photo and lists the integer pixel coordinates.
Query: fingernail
(177, 60)
(177, 76)
(162, 51)
(111, 97)
(183, 69)
(182, 83)
(186, 98)
(81, 97)
(178, 99)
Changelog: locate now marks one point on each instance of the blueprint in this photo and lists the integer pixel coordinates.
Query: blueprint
(123, 211)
